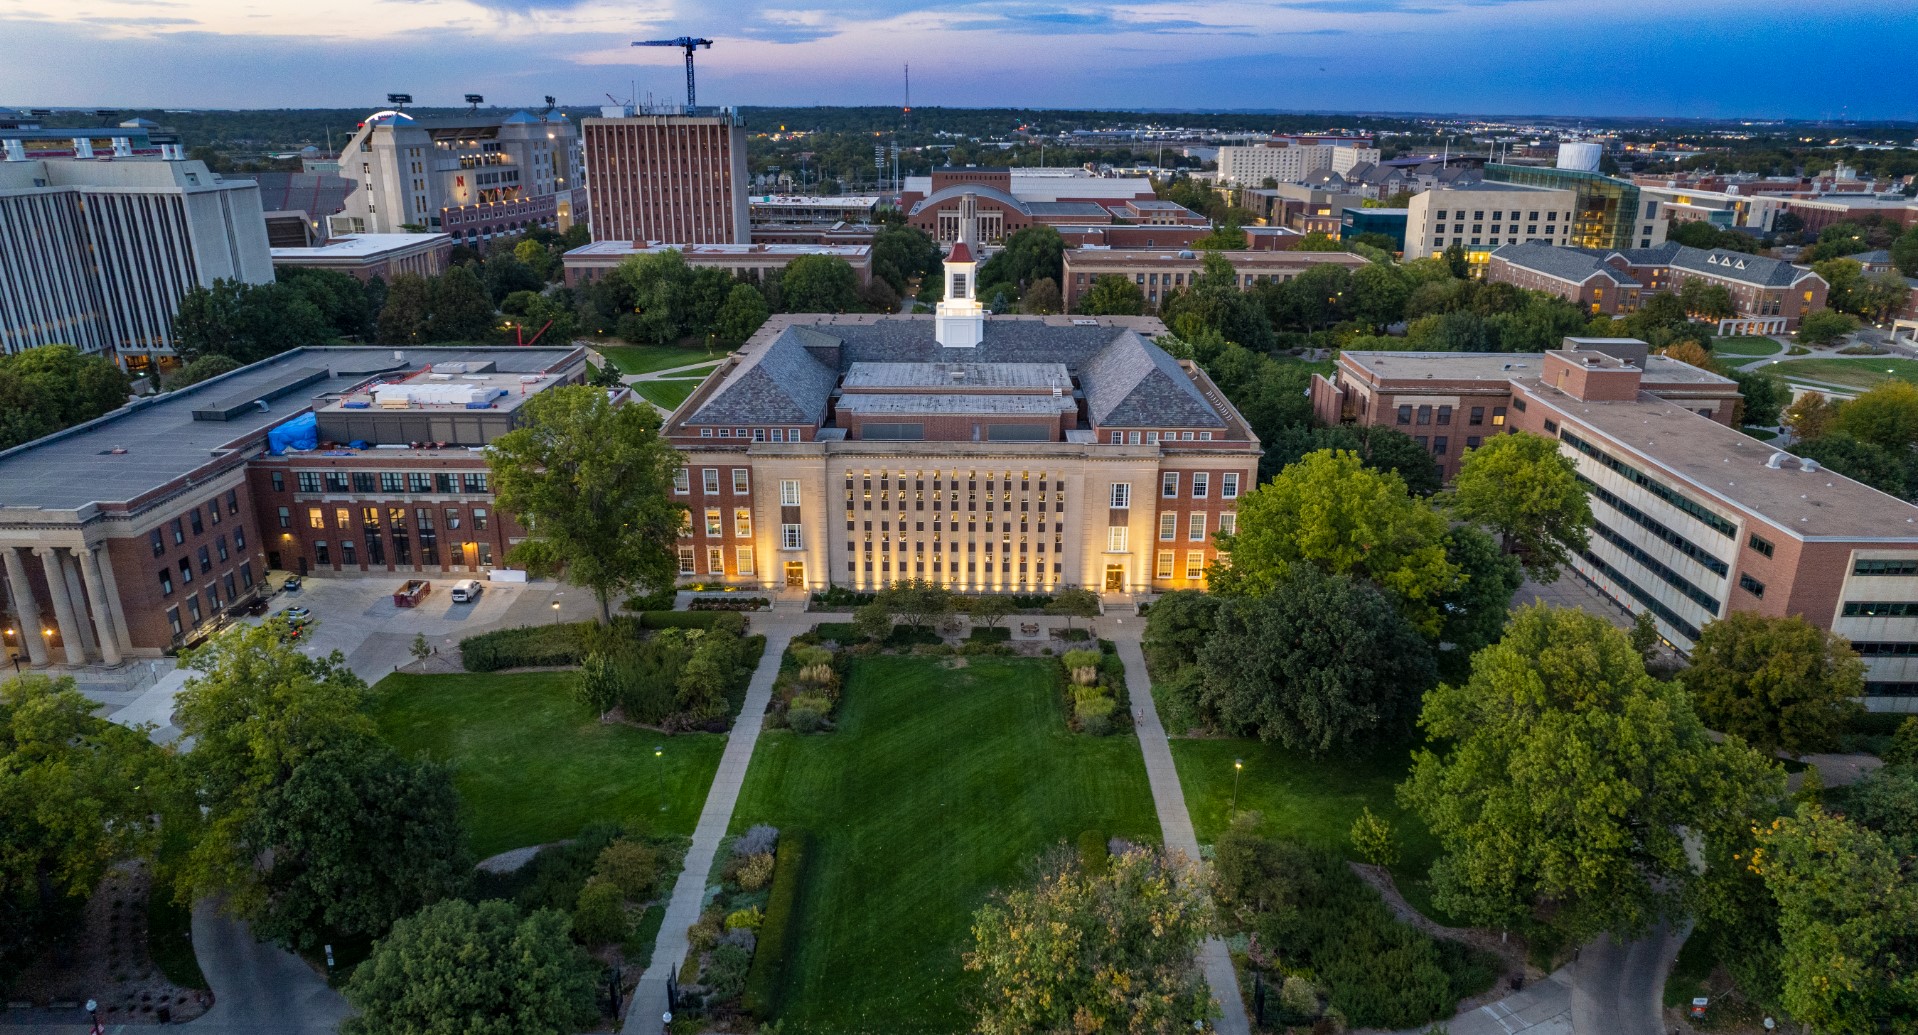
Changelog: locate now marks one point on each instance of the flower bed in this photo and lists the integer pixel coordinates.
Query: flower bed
(737, 949)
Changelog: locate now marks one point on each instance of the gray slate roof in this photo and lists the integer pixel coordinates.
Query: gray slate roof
(1134, 383)
(785, 384)
(1738, 266)
(1571, 264)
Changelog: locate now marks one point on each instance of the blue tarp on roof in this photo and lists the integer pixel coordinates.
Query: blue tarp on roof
(301, 432)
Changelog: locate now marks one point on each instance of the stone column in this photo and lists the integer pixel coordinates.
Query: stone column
(26, 608)
(62, 604)
(102, 608)
(114, 607)
(71, 568)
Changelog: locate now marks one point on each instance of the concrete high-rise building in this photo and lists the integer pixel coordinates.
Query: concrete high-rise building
(474, 176)
(1291, 160)
(672, 178)
(1480, 217)
(97, 254)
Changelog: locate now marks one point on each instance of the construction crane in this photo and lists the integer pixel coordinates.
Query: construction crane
(687, 44)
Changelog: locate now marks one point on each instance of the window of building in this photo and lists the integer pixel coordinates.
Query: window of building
(475, 482)
(1881, 608)
(1116, 539)
(743, 559)
(1405, 414)
(713, 525)
(479, 519)
(1195, 564)
(278, 479)
(1425, 415)
(742, 523)
(1478, 416)
(392, 481)
(1168, 525)
(789, 492)
(173, 621)
(790, 537)
(686, 561)
(1163, 569)
(179, 530)
(1519, 405)
(1551, 426)
(716, 560)
(1445, 415)
(709, 480)
(682, 480)
(1201, 484)
(1498, 416)
(286, 519)
(1169, 485)
(1121, 495)
(1440, 443)
(309, 481)
(1877, 567)
(193, 611)
(1195, 528)
(1751, 585)
(166, 582)
(159, 543)
(219, 547)
(739, 481)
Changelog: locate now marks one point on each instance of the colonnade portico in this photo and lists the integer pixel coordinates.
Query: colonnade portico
(83, 609)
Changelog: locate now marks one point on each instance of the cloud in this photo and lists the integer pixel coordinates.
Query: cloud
(1058, 22)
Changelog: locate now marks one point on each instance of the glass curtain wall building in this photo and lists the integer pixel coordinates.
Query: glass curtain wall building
(1606, 209)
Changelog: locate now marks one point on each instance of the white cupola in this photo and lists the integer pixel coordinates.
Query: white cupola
(959, 322)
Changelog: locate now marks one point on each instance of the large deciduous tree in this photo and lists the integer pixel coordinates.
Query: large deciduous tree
(1027, 256)
(1111, 295)
(591, 483)
(1322, 661)
(1523, 488)
(903, 253)
(480, 969)
(743, 312)
(819, 284)
(1783, 684)
(1082, 952)
(1328, 511)
(1885, 416)
(1569, 779)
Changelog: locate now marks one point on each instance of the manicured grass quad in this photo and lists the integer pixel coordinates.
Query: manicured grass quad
(644, 359)
(938, 787)
(667, 393)
(1862, 372)
(534, 766)
(1745, 346)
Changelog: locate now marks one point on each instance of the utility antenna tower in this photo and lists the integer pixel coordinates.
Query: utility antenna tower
(687, 44)
(907, 110)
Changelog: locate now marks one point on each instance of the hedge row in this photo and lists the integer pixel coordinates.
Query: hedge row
(530, 645)
(778, 933)
(681, 619)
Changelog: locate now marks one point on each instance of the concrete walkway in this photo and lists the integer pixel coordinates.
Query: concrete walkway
(1542, 1008)
(1175, 823)
(689, 894)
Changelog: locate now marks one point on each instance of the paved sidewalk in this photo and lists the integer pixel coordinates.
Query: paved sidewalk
(689, 893)
(1543, 1008)
(1175, 823)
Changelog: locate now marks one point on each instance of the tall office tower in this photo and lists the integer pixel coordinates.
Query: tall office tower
(672, 178)
(473, 176)
(97, 254)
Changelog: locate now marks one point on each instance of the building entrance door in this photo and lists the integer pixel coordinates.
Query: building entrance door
(795, 574)
(1115, 578)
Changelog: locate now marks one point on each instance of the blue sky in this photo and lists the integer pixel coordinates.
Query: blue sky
(1717, 58)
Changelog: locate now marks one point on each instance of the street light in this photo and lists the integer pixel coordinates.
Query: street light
(555, 612)
(1238, 769)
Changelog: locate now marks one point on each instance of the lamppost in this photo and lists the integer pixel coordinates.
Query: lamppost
(555, 612)
(1238, 768)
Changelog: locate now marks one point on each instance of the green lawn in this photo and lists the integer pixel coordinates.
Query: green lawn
(533, 766)
(1300, 798)
(1861, 373)
(1745, 346)
(939, 786)
(669, 393)
(644, 359)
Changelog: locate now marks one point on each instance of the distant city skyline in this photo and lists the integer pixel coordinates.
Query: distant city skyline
(1713, 59)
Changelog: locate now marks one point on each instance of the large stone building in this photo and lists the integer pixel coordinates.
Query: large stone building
(133, 534)
(370, 256)
(475, 177)
(753, 262)
(1480, 217)
(97, 254)
(1160, 272)
(1768, 296)
(1016, 454)
(1291, 160)
(1692, 519)
(1009, 200)
(668, 177)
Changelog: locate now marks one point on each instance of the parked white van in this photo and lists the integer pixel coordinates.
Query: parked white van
(466, 591)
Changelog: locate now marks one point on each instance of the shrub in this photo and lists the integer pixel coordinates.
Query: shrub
(1298, 996)
(1373, 839)
(599, 918)
(806, 656)
(734, 603)
(660, 599)
(872, 621)
(747, 919)
(841, 597)
(1903, 750)
(807, 713)
(705, 932)
(1031, 602)
(1093, 854)
(838, 632)
(557, 873)
(725, 973)
(779, 930)
(524, 647)
(631, 866)
(1094, 707)
(1082, 666)
(754, 871)
(906, 636)
(1072, 635)
(759, 839)
(993, 634)
(1097, 725)
(683, 619)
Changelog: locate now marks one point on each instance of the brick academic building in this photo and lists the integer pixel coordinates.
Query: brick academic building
(1692, 519)
(134, 533)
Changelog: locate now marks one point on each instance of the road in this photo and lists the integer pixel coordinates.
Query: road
(259, 989)
(1620, 989)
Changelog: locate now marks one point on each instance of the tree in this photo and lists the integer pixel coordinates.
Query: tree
(483, 969)
(1848, 919)
(1523, 488)
(1373, 839)
(743, 313)
(989, 609)
(591, 483)
(257, 710)
(1904, 252)
(916, 602)
(873, 621)
(1329, 512)
(1380, 447)
(652, 294)
(1042, 298)
(1317, 241)
(1455, 261)
(1706, 301)
(1861, 461)
(1885, 416)
(1569, 777)
(1379, 293)
(1322, 661)
(1881, 295)
(1644, 636)
(1691, 353)
(358, 837)
(462, 309)
(1111, 295)
(1074, 602)
(1477, 609)
(538, 258)
(1026, 256)
(50, 387)
(405, 318)
(1811, 416)
(1215, 302)
(903, 253)
(1845, 279)
(1823, 327)
(1081, 952)
(1783, 684)
(78, 794)
(202, 369)
(819, 284)
(1763, 397)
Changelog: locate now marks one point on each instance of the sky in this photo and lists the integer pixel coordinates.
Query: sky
(1703, 58)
